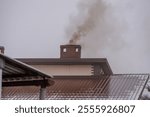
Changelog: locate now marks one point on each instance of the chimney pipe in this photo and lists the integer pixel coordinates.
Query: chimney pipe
(2, 49)
(70, 51)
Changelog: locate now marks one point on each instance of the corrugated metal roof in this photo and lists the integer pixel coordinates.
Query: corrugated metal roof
(17, 72)
(123, 86)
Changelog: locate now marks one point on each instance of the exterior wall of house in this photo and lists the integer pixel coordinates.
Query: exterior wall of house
(66, 70)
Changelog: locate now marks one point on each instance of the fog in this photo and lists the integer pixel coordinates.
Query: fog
(119, 30)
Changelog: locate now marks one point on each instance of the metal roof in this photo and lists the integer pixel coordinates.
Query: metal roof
(119, 86)
(16, 73)
(104, 87)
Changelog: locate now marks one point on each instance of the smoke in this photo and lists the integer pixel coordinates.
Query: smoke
(95, 27)
(117, 30)
(90, 12)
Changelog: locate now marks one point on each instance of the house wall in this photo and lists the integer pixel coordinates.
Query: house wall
(67, 70)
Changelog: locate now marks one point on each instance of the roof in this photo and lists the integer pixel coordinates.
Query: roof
(119, 86)
(69, 61)
(16, 73)
(65, 61)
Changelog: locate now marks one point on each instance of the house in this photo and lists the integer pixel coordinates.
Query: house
(80, 78)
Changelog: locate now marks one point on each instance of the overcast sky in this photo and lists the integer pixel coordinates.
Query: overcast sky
(36, 28)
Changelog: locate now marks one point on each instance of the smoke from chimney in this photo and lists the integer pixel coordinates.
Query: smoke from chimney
(117, 30)
(90, 13)
(96, 27)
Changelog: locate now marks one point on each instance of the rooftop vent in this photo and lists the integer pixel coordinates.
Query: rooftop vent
(70, 51)
(2, 49)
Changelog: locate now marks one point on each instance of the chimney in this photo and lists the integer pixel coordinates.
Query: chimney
(2, 49)
(70, 51)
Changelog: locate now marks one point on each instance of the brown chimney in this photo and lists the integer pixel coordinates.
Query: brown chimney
(70, 51)
(2, 49)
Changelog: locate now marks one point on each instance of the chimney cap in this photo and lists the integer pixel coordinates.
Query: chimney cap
(71, 45)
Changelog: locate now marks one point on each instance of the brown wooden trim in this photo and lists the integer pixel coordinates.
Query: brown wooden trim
(57, 61)
(28, 83)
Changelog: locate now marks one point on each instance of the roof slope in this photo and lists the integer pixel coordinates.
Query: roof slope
(17, 73)
(127, 87)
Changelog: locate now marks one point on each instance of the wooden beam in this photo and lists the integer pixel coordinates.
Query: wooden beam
(2, 63)
(0, 83)
(20, 76)
(28, 83)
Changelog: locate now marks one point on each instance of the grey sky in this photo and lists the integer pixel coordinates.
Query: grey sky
(36, 28)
